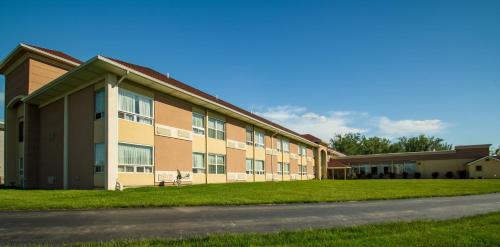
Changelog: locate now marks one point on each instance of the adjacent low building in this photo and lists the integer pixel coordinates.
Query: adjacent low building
(94, 124)
(472, 161)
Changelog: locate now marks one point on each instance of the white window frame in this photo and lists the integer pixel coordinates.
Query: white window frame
(279, 145)
(257, 140)
(280, 168)
(196, 129)
(135, 166)
(216, 164)
(102, 112)
(286, 168)
(196, 169)
(285, 144)
(252, 137)
(217, 131)
(260, 172)
(251, 164)
(134, 115)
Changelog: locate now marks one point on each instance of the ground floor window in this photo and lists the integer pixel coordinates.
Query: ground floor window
(302, 170)
(259, 167)
(99, 157)
(198, 163)
(286, 169)
(135, 158)
(216, 164)
(249, 166)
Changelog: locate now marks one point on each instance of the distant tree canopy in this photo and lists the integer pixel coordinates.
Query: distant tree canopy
(355, 143)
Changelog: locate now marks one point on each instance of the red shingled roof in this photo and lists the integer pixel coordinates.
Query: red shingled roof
(57, 53)
(311, 138)
(159, 76)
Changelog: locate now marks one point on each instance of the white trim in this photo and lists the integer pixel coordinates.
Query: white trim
(173, 132)
(483, 158)
(18, 97)
(100, 78)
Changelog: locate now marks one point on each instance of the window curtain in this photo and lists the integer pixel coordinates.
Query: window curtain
(99, 101)
(134, 155)
(144, 106)
(198, 161)
(99, 154)
(249, 165)
(197, 121)
(259, 165)
(259, 138)
(126, 101)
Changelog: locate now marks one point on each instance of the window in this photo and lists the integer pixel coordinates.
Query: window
(304, 170)
(280, 168)
(216, 164)
(278, 144)
(21, 166)
(99, 157)
(215, 129)
(198, 124)
(259, 139)
(99, 104)
(302, 151)
(135, 158)
(249, 166)
(21, 131)
(249, 137)
(135, 107)
(479, 168)
(198, 163)
(286, 146)
(259, 167)
(286, 169)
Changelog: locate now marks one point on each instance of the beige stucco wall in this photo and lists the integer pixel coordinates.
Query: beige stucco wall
(42, 73)
(135, 133)
(216, 178)
(427, 167)
(136, 179)
(490, 169)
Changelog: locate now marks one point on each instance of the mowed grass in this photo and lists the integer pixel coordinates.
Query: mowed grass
(243, 193)
(473, 231)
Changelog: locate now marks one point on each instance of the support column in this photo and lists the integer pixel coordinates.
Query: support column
(111, 131)
(66, 143)
(318, 164)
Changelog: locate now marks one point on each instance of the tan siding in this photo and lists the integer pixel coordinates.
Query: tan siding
(236, 161)
(81, 141)
(42, 73)
(235, 130)
(173, 112)
(51, 144)
(16, 82)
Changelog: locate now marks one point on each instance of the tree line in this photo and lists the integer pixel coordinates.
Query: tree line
(356, 143)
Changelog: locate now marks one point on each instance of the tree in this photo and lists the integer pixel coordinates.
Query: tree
(422, 143)
(497, 152)
(355, 143)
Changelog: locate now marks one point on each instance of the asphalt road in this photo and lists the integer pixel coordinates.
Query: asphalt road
(96, 225)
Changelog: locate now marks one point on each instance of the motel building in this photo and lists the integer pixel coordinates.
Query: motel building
(104, 122)
(471, 161)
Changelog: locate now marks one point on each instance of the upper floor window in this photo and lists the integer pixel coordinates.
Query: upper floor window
(21, 131)
(198, 123)
(259, 139)
(135, 107)
(135, 158)
(286, 146)
(99, 104)
(302, 150)
(216, 129)
(279, 144)
(249, 136)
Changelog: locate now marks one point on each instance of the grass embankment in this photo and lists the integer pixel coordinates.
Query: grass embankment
(243, 193)
(473, 231)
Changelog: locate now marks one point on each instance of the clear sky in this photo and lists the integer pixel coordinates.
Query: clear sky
(386, 68)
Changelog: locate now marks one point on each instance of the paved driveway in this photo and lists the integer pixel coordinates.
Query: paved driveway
(96, 225)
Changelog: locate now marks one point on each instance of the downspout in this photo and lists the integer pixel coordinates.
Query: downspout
(272, 157)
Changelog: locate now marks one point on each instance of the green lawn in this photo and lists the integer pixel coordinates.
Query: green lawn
(243, 193)
(474, 231)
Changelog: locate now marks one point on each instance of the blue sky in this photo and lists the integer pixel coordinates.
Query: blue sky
(386, 68)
